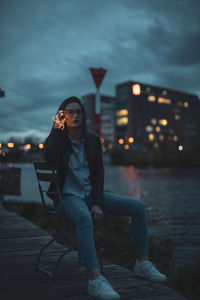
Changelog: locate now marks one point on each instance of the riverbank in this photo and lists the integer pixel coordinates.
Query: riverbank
(156, 158)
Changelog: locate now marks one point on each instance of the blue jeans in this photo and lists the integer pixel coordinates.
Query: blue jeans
(78, 211)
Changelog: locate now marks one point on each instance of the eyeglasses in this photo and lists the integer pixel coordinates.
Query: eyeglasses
(71, 112)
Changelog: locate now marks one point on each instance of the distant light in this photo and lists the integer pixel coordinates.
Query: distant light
(151, 98)
(121, 141)
(122, 113)
(164, 100)
(175, 138)
(149, 128)
(136, 89)
(0, 145)
(122, 121)
(28, 146)
(148, 89)
(41, 146)
(177, 117)
(151, 136)
(186, 104)
(126, 147)
(180, 147)
(161, 137)
(153, 121)
(131, 140)
(164, 92)
(157, 129)
(163, 122)
(10, 145)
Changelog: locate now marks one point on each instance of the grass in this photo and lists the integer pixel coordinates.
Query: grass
(114, 232)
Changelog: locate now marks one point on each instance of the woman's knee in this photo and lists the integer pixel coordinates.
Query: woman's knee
(85, 218)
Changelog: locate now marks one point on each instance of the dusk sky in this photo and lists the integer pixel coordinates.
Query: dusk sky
(47, 47)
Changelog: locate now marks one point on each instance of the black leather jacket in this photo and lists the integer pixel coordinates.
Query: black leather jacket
(57, 152)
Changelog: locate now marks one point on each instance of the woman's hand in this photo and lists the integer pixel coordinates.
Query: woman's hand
(59, 120)
(97, 211)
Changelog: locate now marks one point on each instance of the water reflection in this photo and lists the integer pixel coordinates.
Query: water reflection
(169, 194)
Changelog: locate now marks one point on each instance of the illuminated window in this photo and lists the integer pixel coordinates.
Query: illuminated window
(122, 112)
(148, 89)
(186, 104)
(164, 100)
(161, 137)
(121, 141)
(136, 89)
(151, 98)
(175, 138)
(149, 128)
(102, 140)
(10, 145)
(153, 121)
(177, 117)
(157, 129)
(151, 136)
(122, 121)
(164, 92)
(131, 140)
(41, 146)
(168, 101)
(126, 147)
(0, 145)
(163, 122)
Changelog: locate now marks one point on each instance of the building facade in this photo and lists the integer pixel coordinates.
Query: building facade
(156, 117)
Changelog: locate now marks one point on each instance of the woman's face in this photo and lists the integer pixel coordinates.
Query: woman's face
(73, 115)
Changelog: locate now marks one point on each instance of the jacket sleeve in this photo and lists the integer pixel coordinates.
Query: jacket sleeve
(99, 175)
(53, 146)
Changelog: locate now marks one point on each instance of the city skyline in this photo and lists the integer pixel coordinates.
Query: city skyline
(47, 49)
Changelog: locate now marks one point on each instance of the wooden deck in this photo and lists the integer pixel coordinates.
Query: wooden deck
(20, 241)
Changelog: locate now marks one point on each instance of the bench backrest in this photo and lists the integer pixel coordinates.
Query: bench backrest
(45, 172)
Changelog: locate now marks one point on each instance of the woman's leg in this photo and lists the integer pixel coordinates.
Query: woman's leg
(128, 206)
(77, 210)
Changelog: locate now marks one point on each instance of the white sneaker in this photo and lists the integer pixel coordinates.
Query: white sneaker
(102, 289)
(147, 269)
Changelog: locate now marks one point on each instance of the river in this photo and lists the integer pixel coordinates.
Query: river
(168, 193)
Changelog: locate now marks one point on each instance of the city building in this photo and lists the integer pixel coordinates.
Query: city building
(152, 116)
(107, 117)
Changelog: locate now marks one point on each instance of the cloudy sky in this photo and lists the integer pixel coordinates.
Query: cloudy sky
(47, 47)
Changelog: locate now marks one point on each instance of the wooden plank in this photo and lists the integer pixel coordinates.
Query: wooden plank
(20, 281)
(43, 165)
(48, 177)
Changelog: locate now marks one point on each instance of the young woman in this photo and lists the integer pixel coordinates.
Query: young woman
(77, 156)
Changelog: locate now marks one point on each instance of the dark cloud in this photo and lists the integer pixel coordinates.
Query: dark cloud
(47, 48)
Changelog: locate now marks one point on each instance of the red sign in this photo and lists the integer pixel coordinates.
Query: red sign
(98, 75)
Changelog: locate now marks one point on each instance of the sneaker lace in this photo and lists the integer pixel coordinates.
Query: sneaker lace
(107, 286)
(149, 266)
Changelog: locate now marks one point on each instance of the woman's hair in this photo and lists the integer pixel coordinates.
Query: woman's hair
(62, 107)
